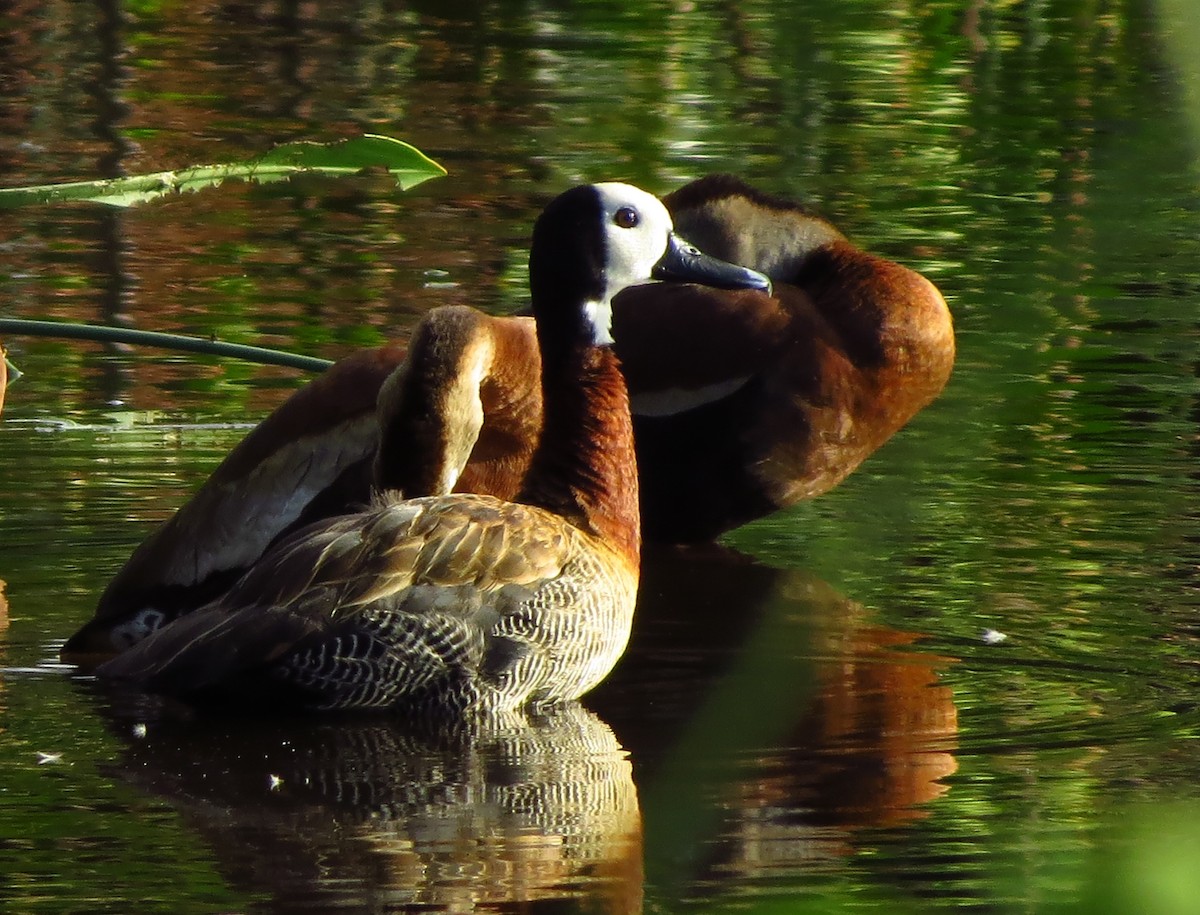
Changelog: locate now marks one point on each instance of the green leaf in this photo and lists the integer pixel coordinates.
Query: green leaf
(407, 164)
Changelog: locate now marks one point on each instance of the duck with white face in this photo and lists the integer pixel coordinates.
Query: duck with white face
(744, 402)
(460, 603)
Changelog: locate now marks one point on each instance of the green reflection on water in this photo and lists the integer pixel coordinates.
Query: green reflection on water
(71, 833)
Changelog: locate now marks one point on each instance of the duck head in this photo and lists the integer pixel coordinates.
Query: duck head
(594, 240)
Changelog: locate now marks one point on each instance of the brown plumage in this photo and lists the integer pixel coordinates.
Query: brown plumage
(462, 367)
(754, 401)
(258, 494)
(426, 605)
(455, 603)
(743, 402)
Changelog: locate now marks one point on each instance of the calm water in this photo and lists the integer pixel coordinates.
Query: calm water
(824, 725)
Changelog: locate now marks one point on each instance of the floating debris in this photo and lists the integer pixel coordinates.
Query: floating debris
(49, 759)
(993, 637)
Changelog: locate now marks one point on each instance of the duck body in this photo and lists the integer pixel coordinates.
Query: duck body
(455, 603)
(743, 402)
(372, 422)
(768, 400)
(431, 605)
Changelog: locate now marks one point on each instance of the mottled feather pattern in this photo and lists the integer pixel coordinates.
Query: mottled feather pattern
(434, 603)
(461, 633)
(385, 657)
(359, 559)
(571, 630)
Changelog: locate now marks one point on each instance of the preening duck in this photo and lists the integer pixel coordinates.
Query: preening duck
(464, 409)
(758, 401)
(379, 420)
(744, 402)
(453, 603)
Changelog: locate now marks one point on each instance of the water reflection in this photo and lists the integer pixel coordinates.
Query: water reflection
(771, 719)
(3, 619)
(361, 812)
(772, 726)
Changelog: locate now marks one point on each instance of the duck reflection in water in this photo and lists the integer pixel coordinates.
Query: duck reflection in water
(758, 745)
(777, 731)
(750, 402)
(368, 813)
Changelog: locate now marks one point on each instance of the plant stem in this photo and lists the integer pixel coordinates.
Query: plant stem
(104, 334)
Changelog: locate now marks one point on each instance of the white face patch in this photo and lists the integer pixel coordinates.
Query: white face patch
(632, 250)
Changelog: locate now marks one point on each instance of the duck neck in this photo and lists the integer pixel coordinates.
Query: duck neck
(584, 467)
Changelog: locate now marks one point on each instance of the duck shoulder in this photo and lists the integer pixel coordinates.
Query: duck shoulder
(887, 316)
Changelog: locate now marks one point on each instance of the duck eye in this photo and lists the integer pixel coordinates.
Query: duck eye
(626, 217)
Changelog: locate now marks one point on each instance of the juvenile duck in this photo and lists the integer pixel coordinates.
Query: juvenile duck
(747, 403)
(455, 603)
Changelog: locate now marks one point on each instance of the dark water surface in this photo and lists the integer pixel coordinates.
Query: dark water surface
(824, 724)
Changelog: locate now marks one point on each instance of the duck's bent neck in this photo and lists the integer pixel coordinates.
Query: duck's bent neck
(584, 468)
